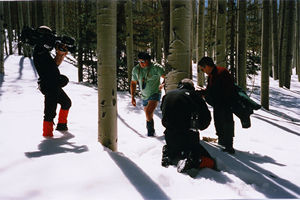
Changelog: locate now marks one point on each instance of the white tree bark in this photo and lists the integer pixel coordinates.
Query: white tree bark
(107, 84)
(179, 57)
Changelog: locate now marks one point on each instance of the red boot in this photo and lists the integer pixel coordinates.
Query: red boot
(48, 129)
(62, 120)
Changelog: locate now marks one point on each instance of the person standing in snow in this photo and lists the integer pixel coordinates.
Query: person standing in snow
(148, 75)
(182, 109)
(51, 83)
(219, 93)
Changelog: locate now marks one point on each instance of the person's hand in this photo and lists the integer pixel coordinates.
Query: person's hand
(133, 102)
(161, 86)
(199, 88)
(61, 51)
(60, 54)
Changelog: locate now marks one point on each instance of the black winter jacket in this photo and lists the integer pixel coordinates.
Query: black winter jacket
(178, 105)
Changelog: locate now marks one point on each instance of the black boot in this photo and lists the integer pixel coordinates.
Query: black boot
(165, 161)
(150, 128)
(61, 127)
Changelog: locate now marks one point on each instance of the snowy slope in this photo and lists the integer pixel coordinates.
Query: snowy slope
(76, 166)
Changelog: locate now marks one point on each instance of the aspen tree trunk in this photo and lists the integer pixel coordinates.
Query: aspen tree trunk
(159, 35)
(107, 84)
(179, 57)
(46, 13)
(201, 51)
(35, 13)
(194, 38)
(21, 23)
(232, 38)
(1, 39)
(290, 20)
(80, 41)
(212, 19)
(282, 46)
(57, 25)
(129, 39)
(242, 44)
(275, 42)
(265, 55)
(166, 30)
(9, 29)
(221, 34)
(270, 40)
(61, 15)
(298, 41)
(26, 47)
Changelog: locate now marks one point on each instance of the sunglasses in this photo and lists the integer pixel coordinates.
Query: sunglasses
(142, 61)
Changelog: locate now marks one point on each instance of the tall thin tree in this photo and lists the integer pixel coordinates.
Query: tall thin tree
(298, 41)
(129, 38)
(221, 34)
(107, 84)
(201, 50)
(242, 44)
(1, 39)
(265, 55)
(290, 26)
(275, 39)
(179, 57)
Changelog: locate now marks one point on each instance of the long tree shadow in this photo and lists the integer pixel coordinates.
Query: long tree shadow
(290, 102)
(277, 125)
(243, 165)
(53, 146)
(139, 179)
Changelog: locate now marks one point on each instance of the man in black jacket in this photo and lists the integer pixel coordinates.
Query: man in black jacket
(181, 110)
(220, 94)
(51, 83)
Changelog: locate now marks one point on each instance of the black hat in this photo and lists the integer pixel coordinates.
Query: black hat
(144, 56)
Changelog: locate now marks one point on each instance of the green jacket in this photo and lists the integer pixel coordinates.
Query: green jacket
(148, 78)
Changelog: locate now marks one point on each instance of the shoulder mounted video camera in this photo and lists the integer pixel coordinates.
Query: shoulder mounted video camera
(47, 39)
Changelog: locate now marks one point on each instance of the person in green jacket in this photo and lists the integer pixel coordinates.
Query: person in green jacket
(147, 75)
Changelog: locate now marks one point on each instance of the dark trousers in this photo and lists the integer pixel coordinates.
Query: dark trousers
(184, 142)
(224, 124)
(51, 100)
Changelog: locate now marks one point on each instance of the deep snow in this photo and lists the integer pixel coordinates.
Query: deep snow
(75, 165)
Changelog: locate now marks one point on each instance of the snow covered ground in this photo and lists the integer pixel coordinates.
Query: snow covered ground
(75, 165)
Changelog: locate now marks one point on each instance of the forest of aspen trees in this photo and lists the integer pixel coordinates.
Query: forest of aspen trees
(245, 36)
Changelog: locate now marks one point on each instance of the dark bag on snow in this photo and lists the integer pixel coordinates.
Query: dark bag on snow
(243, 106)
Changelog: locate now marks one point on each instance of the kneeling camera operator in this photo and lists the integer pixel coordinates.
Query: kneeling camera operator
(50, 80)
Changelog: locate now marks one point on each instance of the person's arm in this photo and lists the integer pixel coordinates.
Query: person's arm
(132, 92)
(60, 55)
(162, 85)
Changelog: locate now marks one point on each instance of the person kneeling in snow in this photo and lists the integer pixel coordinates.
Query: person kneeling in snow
(51, 83)
(183, 114)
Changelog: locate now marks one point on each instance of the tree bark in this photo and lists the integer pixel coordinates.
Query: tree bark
(242, 44)
(221, 34)
(179, 57)
(129, 38)
(107, 84)
(265, 55)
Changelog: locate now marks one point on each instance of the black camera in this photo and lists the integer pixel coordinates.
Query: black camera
(47, 39)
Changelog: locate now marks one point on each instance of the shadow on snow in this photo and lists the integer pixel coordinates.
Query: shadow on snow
(51, 146)
(244, 166)
(139, 179)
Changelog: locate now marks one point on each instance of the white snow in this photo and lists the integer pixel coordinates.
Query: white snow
(75, 165)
